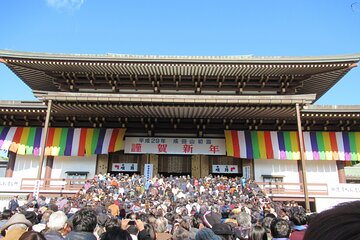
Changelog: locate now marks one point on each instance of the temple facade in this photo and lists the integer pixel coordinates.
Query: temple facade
(176, 115)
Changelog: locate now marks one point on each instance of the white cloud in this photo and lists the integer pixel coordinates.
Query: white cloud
(65, 4)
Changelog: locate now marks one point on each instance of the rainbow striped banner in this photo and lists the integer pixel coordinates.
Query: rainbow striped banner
(344, 146)
(62, 141)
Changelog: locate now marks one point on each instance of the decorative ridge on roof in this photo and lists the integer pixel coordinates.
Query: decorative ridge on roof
(158, 58)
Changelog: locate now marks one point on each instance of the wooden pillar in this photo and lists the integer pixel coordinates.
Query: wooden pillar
(204, 166)
(49, 166)
(143, 161)
(48, 169)
(300, 171)
(11, 165)
(196, 166)
(302, 158)
(44, 139)
(102, 164)
(341, 171)
(154, 160)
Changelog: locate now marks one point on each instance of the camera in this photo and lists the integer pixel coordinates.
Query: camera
(132, 222)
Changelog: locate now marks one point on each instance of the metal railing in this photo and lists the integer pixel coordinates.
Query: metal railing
(283, 188)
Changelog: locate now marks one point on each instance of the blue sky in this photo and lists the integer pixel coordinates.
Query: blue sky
(183, 27)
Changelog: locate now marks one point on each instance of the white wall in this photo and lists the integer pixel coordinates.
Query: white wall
(63, 164)
(325, 203)
(286, 168)
(317, 171)
(27, 166)
(322, 172)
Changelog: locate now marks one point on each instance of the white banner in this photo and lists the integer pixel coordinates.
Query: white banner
(10, 184)
(344, 190)
(124, 167)
(184, 146)
(225, 169)
(148, 171)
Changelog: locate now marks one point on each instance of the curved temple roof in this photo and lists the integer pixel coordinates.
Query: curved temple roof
(217, 75)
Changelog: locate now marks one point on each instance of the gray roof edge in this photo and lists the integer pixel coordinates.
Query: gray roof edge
(331, 108)
(285, 99)
(161, 58)
(21, 104)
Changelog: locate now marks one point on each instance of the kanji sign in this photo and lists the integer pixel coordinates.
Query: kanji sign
(36, 191)
(344, 190)
(185, 146)
(225, 169)
(124, 167)
(148, 171)
(10, 184)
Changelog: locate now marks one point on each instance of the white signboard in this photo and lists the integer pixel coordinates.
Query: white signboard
(36, 189)
(344, 190)
(246, 172)
(148, 171)
(10, 184)
(124, 167)
(184, 146)
(225, 169)
(4, 154)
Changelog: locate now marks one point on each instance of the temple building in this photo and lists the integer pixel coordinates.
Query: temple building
(184, 115)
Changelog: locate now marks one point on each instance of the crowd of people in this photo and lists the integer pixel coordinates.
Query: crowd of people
(163, 208)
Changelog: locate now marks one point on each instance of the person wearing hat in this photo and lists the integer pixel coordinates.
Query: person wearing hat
(223, 230)
(15, 227)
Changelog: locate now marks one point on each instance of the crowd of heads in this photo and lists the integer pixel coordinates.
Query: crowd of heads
(133, 207)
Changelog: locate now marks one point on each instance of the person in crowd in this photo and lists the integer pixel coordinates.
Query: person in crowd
(102, 221)
(299, 220)
(132, 226)
(32, 235)
(56, 226)
(174, 207)
(148, 233)
(15, 227)
(266, 223)
(161, 224)
(206, 234)
(280, 229)
(14, 204)
(114, 209)
(224, 231)
(84, 223)
(338, 223)
(116, 234)
(180, 233)
(258, 232)
(5, 216)
(44, 220)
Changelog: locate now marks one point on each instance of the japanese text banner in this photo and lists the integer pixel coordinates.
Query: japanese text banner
(184, 146)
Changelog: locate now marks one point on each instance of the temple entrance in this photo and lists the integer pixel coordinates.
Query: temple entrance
(175, 165)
